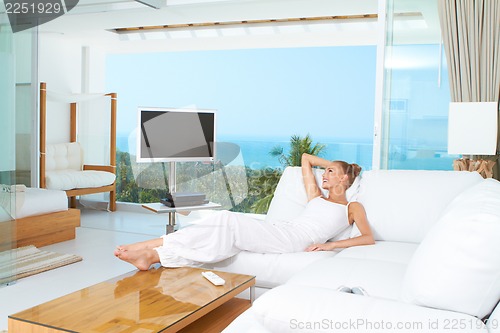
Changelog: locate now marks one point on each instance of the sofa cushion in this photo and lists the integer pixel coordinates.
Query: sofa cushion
(71, 179)
(293, 308)
(394, 200)
(378, 278)
(63, 156)
(290, 196)
(271, 270)
(396, 252)
(457, 267)
(37, 201)
(379, 269)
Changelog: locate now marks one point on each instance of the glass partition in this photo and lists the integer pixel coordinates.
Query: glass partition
(416, 97)
(7, 149)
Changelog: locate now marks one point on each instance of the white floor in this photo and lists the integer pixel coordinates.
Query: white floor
(99, 234)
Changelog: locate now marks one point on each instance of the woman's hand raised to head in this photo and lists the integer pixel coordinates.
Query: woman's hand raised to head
(308, 162)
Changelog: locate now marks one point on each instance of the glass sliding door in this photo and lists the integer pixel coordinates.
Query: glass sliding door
(25, 99)
(17, 128)
(415, 112)
(7, 146)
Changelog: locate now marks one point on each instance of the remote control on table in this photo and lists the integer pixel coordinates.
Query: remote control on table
(214, 278)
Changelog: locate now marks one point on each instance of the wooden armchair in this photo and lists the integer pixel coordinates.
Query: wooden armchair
(62, 167)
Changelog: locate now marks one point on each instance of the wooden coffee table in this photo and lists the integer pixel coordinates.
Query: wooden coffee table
(157, 300)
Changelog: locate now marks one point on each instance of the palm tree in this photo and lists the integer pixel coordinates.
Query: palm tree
(298, 146)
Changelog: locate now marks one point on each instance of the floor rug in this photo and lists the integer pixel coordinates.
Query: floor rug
(29, 260)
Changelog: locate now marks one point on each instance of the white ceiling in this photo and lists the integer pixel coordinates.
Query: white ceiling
(82, 3)
(90, 22)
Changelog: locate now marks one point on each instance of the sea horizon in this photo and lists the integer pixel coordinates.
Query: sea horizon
(255, 151)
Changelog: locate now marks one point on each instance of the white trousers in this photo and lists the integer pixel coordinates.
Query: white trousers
(224, 234)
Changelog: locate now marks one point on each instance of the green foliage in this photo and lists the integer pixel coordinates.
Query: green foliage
(148, 182)
(126, 187)
(265, 181)
(262, 206)
(236, 188)
(298, 146)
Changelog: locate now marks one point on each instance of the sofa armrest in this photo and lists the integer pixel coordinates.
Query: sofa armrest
(108, 168)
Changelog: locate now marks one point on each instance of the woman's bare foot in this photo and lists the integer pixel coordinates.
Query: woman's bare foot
(142, 259)
(149, 244)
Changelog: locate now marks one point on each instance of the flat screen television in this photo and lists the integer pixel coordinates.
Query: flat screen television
(175, 135)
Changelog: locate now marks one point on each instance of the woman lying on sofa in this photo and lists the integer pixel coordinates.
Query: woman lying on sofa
(224, 234)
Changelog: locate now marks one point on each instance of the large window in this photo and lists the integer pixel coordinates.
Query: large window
(263, 97)
(416, 90)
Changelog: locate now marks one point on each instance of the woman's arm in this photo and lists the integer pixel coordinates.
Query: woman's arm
(358, 215)
(308, 162)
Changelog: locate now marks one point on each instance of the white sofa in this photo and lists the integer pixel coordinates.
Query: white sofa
(435, 266)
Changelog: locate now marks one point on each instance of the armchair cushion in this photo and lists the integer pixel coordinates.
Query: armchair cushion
(63, 156)
(64, 167)
(71, 179)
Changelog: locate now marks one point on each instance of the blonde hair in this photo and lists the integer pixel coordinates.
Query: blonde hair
(352, 170)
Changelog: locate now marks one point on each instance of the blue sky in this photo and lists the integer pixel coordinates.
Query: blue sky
(325, 91)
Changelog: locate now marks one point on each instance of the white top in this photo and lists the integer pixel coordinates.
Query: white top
(323, 219)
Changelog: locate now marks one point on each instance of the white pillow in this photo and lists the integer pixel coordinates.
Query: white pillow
(403, 205)
(457, 266)
(290, 196)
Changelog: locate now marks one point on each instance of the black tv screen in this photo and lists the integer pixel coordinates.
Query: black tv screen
(175, 135)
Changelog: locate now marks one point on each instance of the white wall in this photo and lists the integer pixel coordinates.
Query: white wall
(59, 67)
(94, 69)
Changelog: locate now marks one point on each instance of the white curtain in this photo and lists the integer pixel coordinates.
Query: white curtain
(93, 124)
(471, 35)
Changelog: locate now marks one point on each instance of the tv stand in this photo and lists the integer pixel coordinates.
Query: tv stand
(160, 208)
